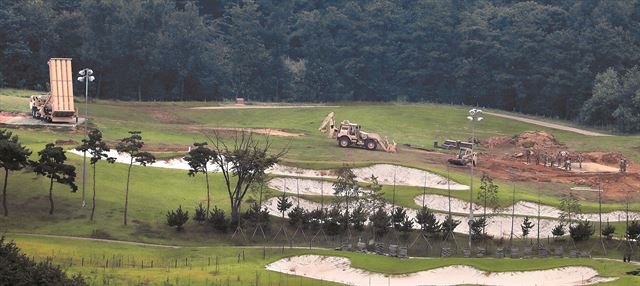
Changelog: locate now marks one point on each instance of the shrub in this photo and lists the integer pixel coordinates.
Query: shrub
(581, 231)
(218, 220)
(477, 228)
(427, 221)
(17, 269)
(526, 226)
(398, 216)
(177, 218)
(358, 218)
(608, 230)
(381, 222)
(449, 225)
(634, 229)
(200, 214)
(558, 231)
(315, 218)
(298, 217)
(332, 222)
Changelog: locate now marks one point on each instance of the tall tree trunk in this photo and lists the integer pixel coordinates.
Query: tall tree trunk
(206, 176)
(126, 192)
(51, 196)
(140, 91)
(4, 192)
(93, 206)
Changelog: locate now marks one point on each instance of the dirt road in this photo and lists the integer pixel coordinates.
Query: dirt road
(548, 124)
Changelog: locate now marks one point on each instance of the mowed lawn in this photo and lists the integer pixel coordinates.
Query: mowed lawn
(105, 263)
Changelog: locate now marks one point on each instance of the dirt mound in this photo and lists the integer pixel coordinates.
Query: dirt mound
(609, 158)
(232, 130)
(527, 139)
(66, 142)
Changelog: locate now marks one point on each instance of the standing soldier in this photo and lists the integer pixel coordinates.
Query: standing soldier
(527, 153)
(537, 154)
(552, 160)
(623, 165)
(580, 158)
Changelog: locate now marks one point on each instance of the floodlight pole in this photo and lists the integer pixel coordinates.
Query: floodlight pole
(86, 77)
(474, 115)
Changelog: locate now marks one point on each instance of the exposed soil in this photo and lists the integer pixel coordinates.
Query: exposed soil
(599, 170)
(231, 130)
(339, 269)
(165, 116)
(7, 117)
(67, 142)
(536, 140)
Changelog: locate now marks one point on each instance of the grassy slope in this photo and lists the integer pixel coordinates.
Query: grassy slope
(245, 272)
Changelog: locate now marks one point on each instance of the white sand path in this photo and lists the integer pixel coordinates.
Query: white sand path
(403, 176)
(339, 269)
(441, 203)
(498, 226)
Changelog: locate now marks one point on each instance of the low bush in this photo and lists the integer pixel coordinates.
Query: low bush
(177, 218)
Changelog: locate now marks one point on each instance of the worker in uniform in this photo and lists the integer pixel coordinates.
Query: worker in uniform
(580, 159)
(623, 165)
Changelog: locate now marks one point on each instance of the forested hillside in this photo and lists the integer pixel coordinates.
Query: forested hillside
(538, 57)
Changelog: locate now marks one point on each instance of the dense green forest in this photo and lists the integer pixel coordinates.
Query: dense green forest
(539, 57)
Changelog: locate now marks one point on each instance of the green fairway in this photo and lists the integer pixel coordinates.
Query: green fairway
(105, 263)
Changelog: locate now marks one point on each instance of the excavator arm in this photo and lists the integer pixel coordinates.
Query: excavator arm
(330, 121)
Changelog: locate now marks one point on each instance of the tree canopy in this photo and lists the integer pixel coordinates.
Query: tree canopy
(539, 57)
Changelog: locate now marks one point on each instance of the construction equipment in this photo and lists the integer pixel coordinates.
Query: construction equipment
(464, 157)
(350, 134)
(57, 106)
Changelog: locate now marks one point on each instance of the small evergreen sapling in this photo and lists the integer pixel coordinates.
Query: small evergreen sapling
(177, 218)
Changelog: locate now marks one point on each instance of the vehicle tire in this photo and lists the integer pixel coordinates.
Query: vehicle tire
(344, 142)
(371, 144)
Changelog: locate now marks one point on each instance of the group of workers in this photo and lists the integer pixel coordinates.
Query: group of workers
(562, 159)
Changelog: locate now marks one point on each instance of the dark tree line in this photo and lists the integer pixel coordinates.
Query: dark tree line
(536, 57)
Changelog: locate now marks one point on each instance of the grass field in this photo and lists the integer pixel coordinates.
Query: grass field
(171, 127)
(131, 265)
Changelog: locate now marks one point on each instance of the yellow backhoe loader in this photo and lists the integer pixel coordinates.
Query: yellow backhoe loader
(350, 134)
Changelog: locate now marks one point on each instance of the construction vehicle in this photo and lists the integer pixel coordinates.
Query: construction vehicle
(464, 157)
(57, 106)
(351, 134)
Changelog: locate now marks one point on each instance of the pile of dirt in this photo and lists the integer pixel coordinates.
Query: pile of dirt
(233, 130)
(6, 117)
(609, 158)
(527, 139)
(66, 142)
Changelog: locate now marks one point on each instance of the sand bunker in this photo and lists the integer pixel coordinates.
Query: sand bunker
(404, 176)
(303, 186)
(499, 225)
(338, 269)
(260, 131)
(441, 203)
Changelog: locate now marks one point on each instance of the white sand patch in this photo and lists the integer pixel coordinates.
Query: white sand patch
(338, 269)
(441, 203)
(385, 172)
(498, 226)
(304, 186)
(174, 163)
